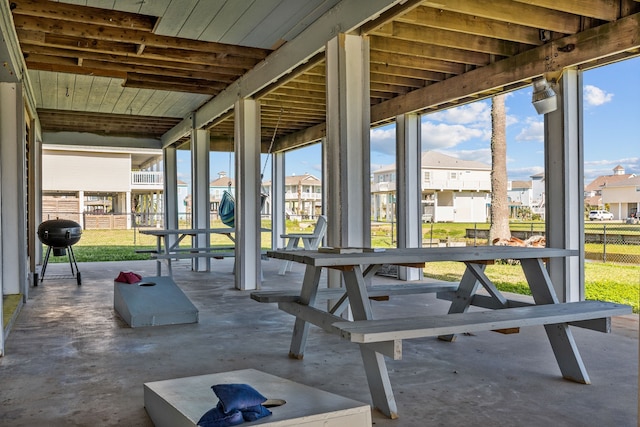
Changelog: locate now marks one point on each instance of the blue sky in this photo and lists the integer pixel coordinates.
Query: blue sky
(611, 135)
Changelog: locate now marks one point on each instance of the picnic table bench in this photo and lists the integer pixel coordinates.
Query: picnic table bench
(383, 337)
(168, 245)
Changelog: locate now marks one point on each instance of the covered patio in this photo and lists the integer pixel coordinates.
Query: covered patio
(163, 75)
(71, 360)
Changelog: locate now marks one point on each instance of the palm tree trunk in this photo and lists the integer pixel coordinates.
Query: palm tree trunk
(499, 200)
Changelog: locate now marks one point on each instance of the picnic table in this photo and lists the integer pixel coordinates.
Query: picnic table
(168, 245)
(383, 337)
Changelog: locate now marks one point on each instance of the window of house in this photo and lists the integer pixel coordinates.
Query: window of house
(453, 175)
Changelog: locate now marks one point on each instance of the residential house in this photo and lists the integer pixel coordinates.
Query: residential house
(101, 187)
(217, 187)
(453, 190)
(520, 195)
(622, 197)
(527, 194)
(593, 191)
(302, 196)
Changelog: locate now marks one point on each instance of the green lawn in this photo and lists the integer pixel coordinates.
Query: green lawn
(604, 281)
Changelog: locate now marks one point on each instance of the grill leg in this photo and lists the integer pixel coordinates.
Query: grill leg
(44, 264)
(72, 256)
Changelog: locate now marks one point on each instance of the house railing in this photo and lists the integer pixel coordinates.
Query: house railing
(146, 178)
(290, 195)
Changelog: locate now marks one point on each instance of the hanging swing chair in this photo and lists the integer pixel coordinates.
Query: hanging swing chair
(227, 206)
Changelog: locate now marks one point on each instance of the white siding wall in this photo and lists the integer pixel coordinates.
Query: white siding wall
(619, 198)
(74, 171)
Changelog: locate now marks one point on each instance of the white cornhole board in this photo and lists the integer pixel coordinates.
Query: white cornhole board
(181, 402)
(154, 301)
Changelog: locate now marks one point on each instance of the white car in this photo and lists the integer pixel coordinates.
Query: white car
(600, 215)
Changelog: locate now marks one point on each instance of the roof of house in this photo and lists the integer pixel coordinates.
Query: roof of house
(607, 181)
(223, 181)
(631, 181)
(307, 179)
(435, 160)
(516, 185)
(593, 201)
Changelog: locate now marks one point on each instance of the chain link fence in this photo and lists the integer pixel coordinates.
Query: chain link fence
(612, 243)
(604, 242)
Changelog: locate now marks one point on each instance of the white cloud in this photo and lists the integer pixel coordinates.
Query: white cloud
(443, 135)
(476, 112)
(383, 140)
(594, 96)
(596, 168)
(533, 131)
(524, 173)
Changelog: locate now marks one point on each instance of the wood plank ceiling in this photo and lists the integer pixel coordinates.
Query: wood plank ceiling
(413, 46)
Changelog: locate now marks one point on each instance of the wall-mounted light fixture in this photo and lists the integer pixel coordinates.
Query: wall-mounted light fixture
(544, 98)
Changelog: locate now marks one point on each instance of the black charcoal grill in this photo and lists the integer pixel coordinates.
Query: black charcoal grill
(59, 235)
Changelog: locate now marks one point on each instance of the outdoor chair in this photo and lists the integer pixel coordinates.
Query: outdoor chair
(310, 241)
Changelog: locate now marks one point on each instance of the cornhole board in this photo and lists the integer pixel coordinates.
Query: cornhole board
(154, 301)
(181, 402)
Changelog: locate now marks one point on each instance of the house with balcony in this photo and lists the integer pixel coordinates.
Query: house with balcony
(302, 196)
(453, 190)
(102, 187)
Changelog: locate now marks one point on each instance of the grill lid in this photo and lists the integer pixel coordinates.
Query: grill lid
(59, 233)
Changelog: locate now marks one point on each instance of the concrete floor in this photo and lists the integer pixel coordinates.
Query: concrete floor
(71, 361)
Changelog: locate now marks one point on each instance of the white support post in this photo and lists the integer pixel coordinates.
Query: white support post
(277, 199)
(247, 210)
(81, 208)
(35, 200)
(564, 186)
(348, 202)
(13, 198)
(200, 193)
(170, 190)
(127, 208)
(408, 188)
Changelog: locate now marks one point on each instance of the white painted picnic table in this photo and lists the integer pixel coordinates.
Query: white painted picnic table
(168, 244)
(380, 337)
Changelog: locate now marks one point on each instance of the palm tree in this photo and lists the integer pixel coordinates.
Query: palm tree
(499, 201)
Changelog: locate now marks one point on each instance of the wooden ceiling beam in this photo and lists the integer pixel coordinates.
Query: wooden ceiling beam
(427, 50)
(513, 12)
(70, 67)
(145, 81)
(446, 38)
(298, 85)
(460, 22)
(409, 61)
(315, 102)
(301, 93)
(606, 10)
(125, 35)
(115, 70)
(396, 80)
(226, 74)
(83, 14)
(42, 42)
(412, 73)
(604, 41)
